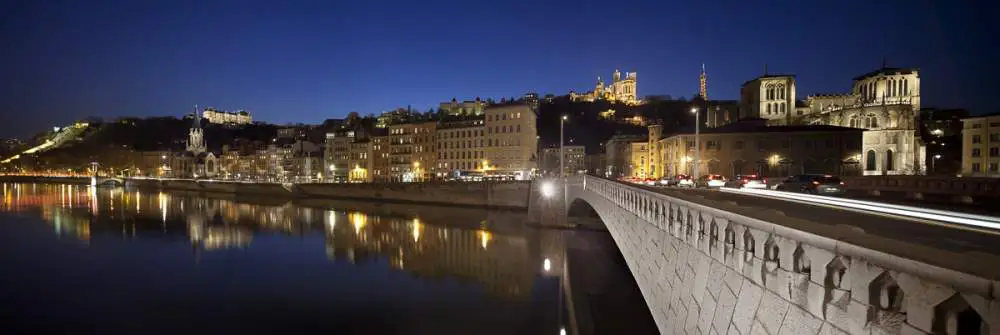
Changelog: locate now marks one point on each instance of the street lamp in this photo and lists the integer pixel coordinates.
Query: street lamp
(934, 163)
(697, 145)
(562, 168)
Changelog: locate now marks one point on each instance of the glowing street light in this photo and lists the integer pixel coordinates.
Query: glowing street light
(548, 189)
(697, 145)
(547, 265)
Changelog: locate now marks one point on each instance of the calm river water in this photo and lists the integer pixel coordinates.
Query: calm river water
(118, 261)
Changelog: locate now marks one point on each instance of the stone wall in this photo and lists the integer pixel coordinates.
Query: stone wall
(703, 271)
(486, 194)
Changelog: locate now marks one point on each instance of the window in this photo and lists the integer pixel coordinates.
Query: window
(976, 167)
(761, 145)
(738, 145)
(889, 164)
(870, 160)
(977, 139)
(782, 108)
(768, 109)
(993, 167)
(976, 152)
(977, 125)
(713, 145)
(994, 137)
(994, 152)
(519, 127)
(994, 124)
(871, 121)
(854, 122)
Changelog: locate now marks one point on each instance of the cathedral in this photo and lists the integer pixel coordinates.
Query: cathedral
(620, 90)
(196, 161)
(884, 102)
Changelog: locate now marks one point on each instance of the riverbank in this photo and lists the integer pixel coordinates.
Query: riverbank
(512, 195)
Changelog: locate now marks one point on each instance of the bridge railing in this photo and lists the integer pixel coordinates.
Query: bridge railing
(857, 282)
(944, 185)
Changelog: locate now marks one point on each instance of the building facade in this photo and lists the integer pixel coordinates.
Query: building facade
(638, 166)
(511, 141)
(885, 103)
(620, 90)
(454, 107)
(981, 146)
(222, 117)
(461, 145)
(751, 147)
(412, 153)
(618, 155)
(574, 160)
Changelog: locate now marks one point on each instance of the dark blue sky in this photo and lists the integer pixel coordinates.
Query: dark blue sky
(308, 60)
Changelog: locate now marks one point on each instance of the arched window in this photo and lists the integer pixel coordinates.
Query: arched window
(768, 109)
(889, 166)
(782, 108)
(906, 88)
(870, 160)
(892, 87)
(871, 121)
(855, 122)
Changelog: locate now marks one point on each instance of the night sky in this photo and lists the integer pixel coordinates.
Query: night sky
(64, 60)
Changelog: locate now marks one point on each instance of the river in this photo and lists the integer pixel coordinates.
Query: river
(120, 261)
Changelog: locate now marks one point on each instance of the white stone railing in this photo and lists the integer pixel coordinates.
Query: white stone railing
(838, 281)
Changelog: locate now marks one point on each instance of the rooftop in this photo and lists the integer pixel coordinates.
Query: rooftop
(887, 70)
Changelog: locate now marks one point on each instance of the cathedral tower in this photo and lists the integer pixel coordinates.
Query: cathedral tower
(196, 137)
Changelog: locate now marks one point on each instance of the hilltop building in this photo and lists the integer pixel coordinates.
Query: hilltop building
(620, 90)
(240, 117)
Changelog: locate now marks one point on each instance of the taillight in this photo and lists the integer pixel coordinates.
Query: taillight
(842, 184)
(765, 181)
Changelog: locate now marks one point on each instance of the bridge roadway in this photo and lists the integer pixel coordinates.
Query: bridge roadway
(944, 236)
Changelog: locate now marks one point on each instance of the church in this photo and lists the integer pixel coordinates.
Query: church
(884, 102)
(196, 161)
(620, 90)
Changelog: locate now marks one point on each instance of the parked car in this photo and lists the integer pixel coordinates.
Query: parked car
(751, 181)
(812, 183)
(649, 182)
(711, 181)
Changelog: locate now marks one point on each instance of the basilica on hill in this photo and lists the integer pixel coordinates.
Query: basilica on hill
(620, 90)
(885, 103)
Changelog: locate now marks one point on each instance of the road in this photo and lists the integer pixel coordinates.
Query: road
(942, 236)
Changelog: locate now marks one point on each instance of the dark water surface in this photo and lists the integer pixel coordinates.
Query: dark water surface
(119, 261)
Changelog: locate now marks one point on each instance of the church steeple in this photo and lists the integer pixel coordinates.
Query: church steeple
(703, 83)
(196, 137)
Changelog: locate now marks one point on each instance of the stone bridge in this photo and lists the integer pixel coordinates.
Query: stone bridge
(704, 269)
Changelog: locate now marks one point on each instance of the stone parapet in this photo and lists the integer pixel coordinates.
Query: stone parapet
(705, 270)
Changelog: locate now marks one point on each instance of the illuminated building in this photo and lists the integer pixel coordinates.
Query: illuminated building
(454, 107)
(231, 118)
(620, 90)
(885, 103)
(981, 146)
(751, 147)
(511, 141)
(461, 146)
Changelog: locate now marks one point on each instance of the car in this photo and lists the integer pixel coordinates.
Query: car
(813, 183)
(666, 181)
(649, 181)
(711, 181)
(749, 181)
(676, 180)
(684, 181)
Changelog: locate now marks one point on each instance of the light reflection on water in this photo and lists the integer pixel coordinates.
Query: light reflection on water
(485, 270)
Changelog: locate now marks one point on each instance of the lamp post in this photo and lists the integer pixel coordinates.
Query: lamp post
(697, 145)
(934, 163)
(562, 167)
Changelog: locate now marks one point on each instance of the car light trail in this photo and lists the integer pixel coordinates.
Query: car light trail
(982, 221)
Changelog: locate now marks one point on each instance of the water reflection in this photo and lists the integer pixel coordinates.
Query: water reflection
(504, 262)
